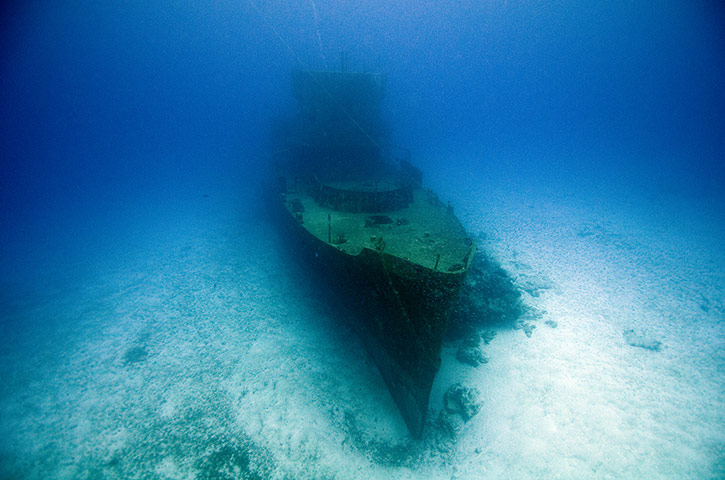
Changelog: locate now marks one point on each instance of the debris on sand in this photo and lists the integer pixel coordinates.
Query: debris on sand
(460, 405)
(470, 351)
(488, 335)
(488, 298)
(134, 355)
(636, 340)
(528, 328)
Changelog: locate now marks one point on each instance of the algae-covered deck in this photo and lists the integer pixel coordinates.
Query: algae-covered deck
(425, 232)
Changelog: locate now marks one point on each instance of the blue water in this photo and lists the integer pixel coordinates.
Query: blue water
(153, 324)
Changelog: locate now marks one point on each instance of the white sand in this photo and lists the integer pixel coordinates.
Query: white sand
(240, 360)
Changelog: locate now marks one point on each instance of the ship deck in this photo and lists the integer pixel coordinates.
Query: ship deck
(425, 232)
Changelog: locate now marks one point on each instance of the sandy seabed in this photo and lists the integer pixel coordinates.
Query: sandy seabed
(198, 348)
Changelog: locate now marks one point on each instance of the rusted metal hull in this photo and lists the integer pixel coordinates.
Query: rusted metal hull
(403, 312)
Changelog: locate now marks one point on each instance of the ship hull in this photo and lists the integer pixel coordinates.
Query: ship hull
(402, 311)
